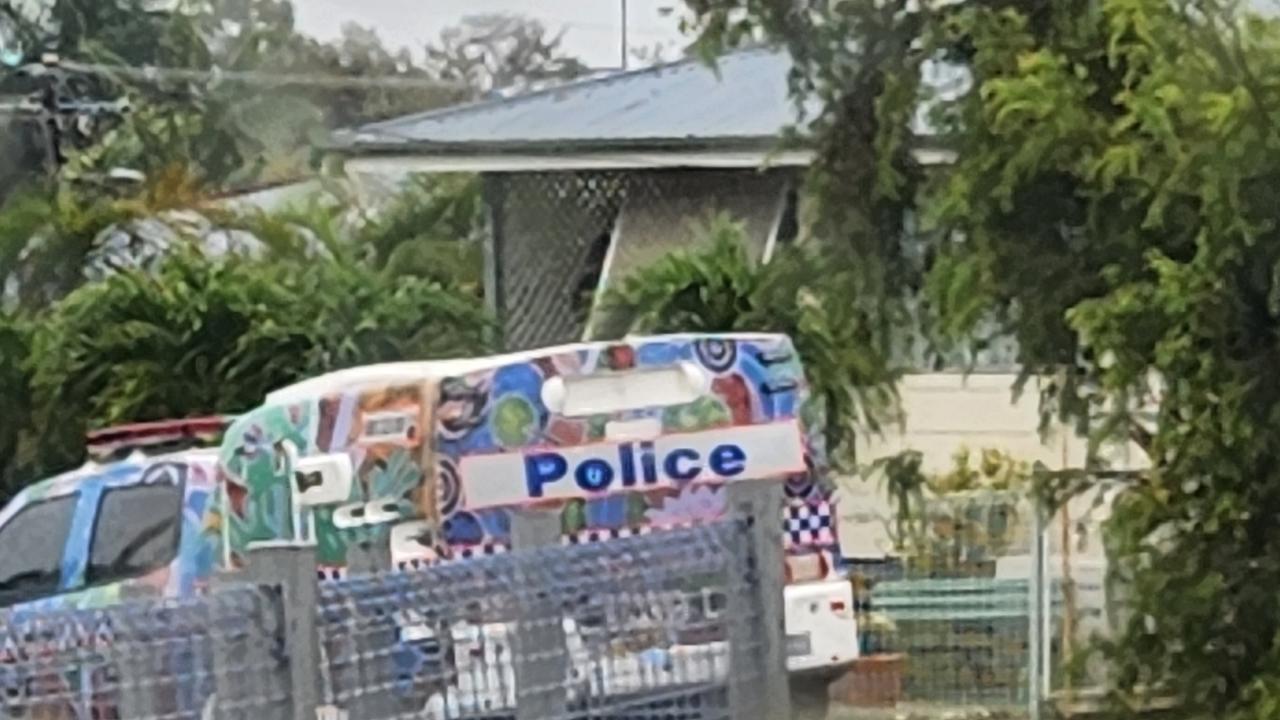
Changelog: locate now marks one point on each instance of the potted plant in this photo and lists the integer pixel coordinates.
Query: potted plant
(955, 523)
(875, 678)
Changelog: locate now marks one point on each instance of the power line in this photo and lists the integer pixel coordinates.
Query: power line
(160, 74)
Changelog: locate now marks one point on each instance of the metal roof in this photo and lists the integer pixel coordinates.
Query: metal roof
(743, 101)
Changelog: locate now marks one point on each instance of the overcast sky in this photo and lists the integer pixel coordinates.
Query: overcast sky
(592, 27)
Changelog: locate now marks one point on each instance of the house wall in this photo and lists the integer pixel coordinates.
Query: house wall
(943, 412)
(674, 216)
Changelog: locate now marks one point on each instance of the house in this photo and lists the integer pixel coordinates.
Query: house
(587, 181)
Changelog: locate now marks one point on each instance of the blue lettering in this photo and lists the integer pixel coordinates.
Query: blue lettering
(648, 470)
(628, 460)
(541, 469)
(594, 475)
(597, 474)
(672, 464)
(727, 460)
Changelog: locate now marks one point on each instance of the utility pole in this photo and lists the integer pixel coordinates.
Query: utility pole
(50, 92)
(624, 34)
(45, 105)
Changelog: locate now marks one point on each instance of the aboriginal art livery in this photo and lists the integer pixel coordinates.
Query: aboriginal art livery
(109, 532)
(621, 437)
(127, 524)
(94, 549)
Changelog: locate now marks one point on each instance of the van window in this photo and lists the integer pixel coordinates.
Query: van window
(136, 531)
(31, 546)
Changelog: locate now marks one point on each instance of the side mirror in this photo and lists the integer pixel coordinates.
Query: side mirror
(322, 480)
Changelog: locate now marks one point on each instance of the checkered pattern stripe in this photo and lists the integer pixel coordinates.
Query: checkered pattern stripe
(466, 552)
(807, 524)
(453, 554)
(415, 564)
(596, 535)
(330, 573)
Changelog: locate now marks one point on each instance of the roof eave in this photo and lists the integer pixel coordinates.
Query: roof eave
(613, 154)
(428, 148)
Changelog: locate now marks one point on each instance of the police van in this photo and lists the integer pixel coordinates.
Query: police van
(427, 460)
(126, 525)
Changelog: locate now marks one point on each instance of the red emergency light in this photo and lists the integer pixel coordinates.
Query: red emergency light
(119, 440)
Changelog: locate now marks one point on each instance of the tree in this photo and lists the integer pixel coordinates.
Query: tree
(44, 239)
(155, 303)
(360, 53)
(431, 228)
(198, 108)
(721, 289)
(20, 148)
(204, 336)
(499, 52)
(1112, 202)
(15, 398)
(50, 244)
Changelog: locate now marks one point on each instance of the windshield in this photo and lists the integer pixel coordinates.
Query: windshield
(31, 547)
(136, 532)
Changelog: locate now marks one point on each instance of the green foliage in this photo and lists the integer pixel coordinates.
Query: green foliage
(15, 398)
(1112, 203)
(942, 519)
(213, 336)
(431, 229)
(54, 240)
(231, 133)
(1171, 168)
(44, 238)
(720, 288)
(170, 332)
(978, 513)
(904, 483)
(995, 471)
(501, 52)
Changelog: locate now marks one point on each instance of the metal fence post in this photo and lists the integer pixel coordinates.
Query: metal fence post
(758, 685)
(494, 193)
(541, 652)
(1038, 613)
(139, 670)
(365, 558)
(292, 567)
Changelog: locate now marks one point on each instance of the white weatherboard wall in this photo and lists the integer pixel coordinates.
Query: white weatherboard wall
(944, 412)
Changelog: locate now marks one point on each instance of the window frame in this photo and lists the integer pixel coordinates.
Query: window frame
(171, 553)
(74, 497)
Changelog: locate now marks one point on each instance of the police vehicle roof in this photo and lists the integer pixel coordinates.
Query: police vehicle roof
(65, 483)
(425, 370)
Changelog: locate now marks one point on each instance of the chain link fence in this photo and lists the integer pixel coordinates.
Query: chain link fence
(947, 627)
(636, 627)
(675, 625)
(145, 660)
(666, 626)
